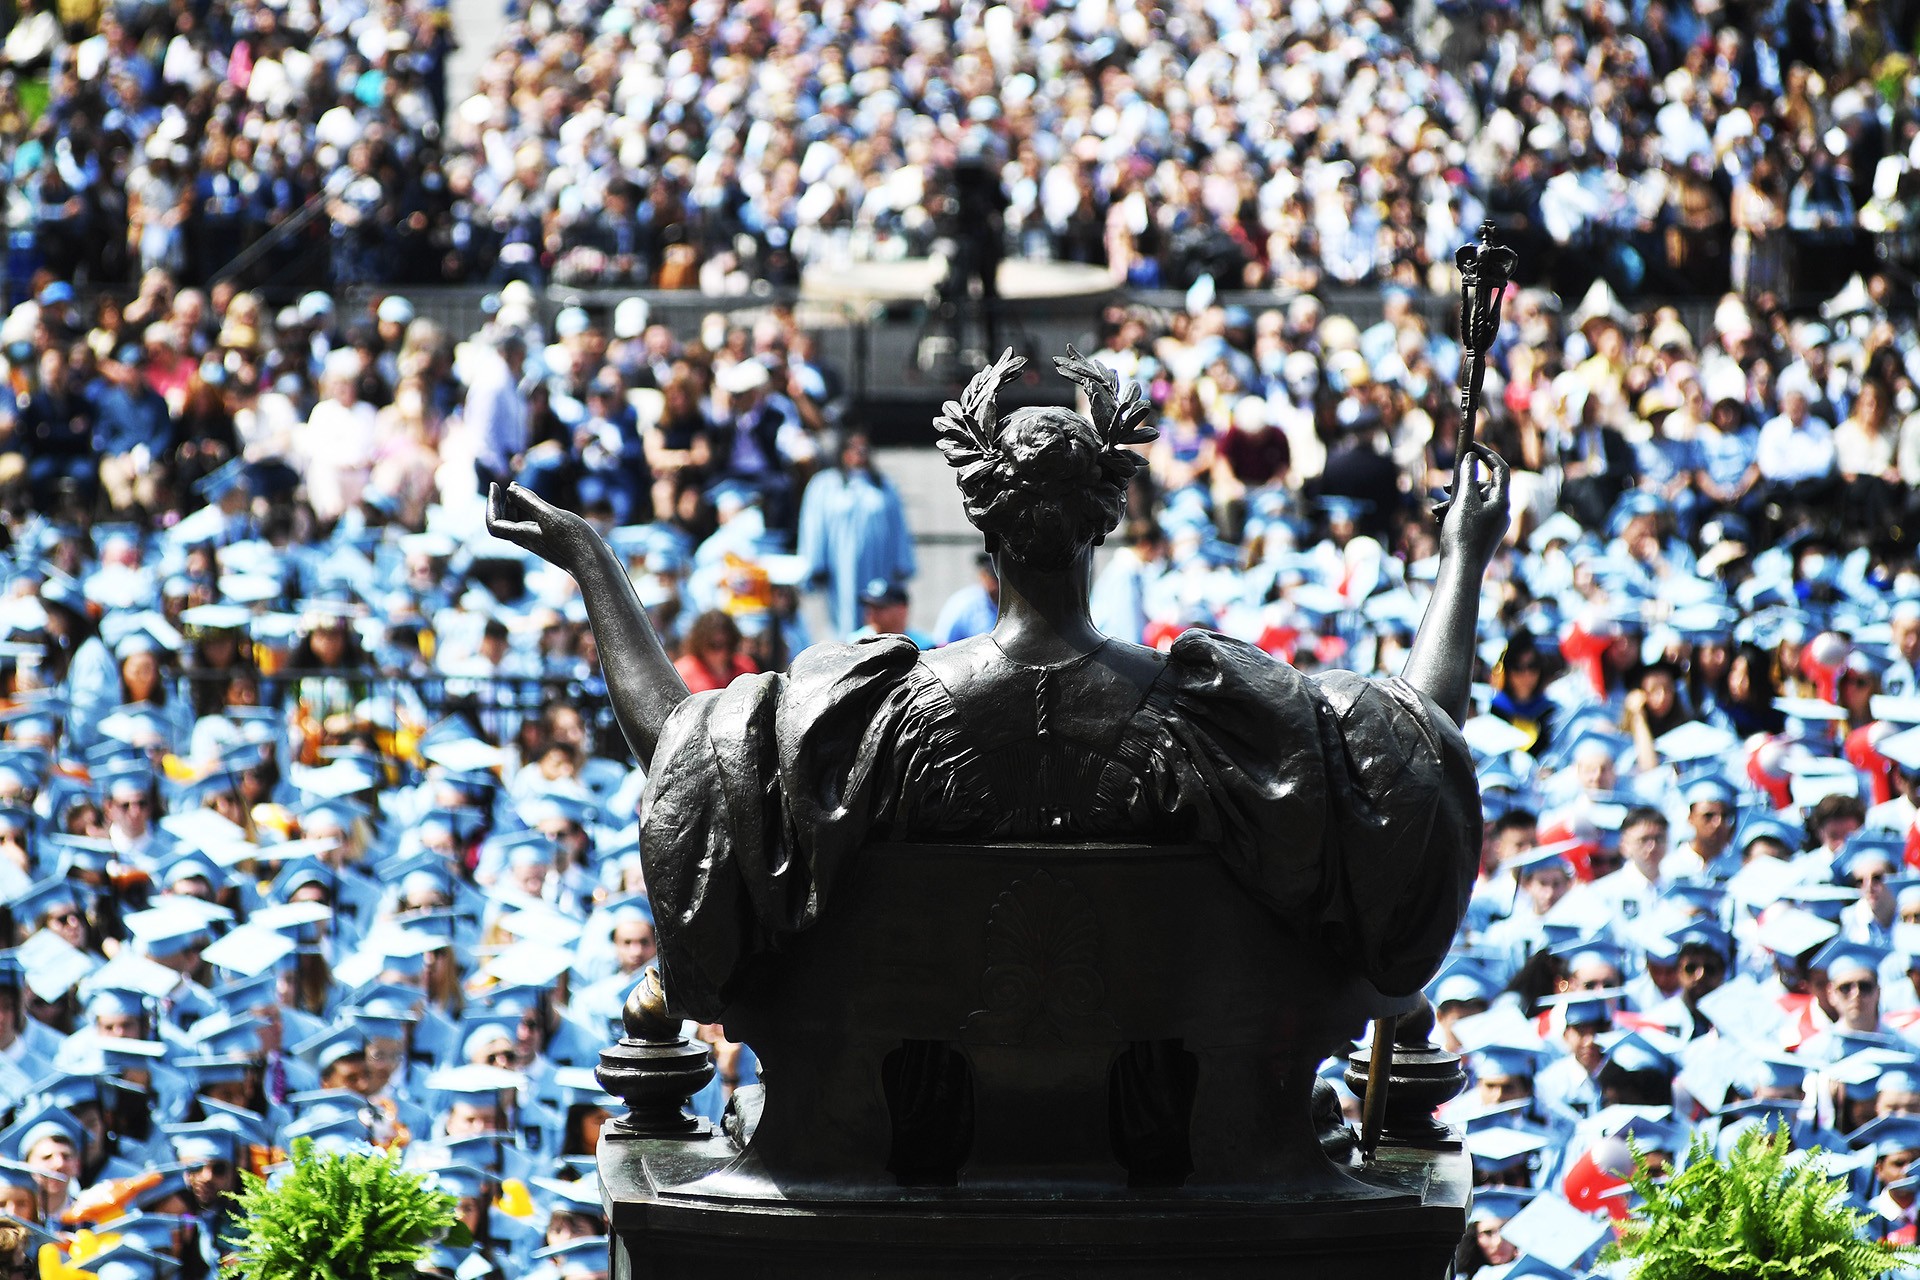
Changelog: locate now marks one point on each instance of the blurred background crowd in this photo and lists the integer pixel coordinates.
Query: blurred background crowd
(312, 819)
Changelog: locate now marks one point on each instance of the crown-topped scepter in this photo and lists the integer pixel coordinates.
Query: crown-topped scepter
(1486, 269)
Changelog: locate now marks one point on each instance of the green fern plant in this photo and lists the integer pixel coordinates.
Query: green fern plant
(1749, 1217)
(341, 1217)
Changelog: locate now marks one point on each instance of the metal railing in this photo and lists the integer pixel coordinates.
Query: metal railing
(373, 700)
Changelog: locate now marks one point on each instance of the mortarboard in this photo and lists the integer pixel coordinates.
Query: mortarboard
(1844, 956)
(1869, 844)
(41, 1121)
(1787, 931)
(329, 1046)
(1506, 1059)
(1887, 1135)
(197, 1144)
(124, 1260)
(15, 1174)
(43, 896)
(579, 1195)
(221, 1068)
(1633, 1051)
(1552, 1230)
(249, 950)
(1502, 1147)
(1703, 933)
(586, 1250)
(170, 928)
(1591, 950)
(1461, 980)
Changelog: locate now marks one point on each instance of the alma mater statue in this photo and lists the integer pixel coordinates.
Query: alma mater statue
(1341, 811)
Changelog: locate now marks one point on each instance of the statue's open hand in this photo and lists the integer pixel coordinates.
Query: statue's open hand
(1477, 516)
(525, 519)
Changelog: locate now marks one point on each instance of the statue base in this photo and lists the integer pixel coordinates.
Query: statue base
(689, 1210)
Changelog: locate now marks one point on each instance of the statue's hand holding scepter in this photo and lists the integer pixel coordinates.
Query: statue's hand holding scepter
(1486, 269)
(1474, 517)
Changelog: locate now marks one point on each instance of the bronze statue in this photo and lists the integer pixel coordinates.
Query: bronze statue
(1332, 795)
(1041, 918)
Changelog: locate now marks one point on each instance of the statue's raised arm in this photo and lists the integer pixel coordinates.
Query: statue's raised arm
(1441, 663)
(641, 682)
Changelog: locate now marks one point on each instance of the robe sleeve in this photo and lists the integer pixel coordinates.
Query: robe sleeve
(1349, 805)
(757, 795)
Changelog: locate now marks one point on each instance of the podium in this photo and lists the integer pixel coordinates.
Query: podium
(1027, 1061)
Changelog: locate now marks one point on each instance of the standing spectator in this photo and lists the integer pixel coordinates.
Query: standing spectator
(336, 447)
(612, 459)
(497, 420)
(853, 531)
(751, 443)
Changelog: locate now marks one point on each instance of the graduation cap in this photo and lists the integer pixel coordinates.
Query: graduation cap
(1585, 1008)
(1869, 844)
(590, 1251)
(331, 1045)
(463, 1180)
(52, 966)
(212, 1139)
(153, 1232)
(1703, 933)
(1591, 950)
(1460, 981)
(217, 1068)
(41, 1121)
(1506, 1058)
(204, 618)
(124, 1260)
(249, 950)
(464, 826)
(42, 897)
(1495, 1203)
(1844, 956)
(1634, 1051)
(579, 1195)
(1887, 1135)
(1547, 1227)
(1541, 857)
(1788, 931)
(1499, 1148)
(170, 928)
(1824, 900)
(228, 1032)
(1489, 735)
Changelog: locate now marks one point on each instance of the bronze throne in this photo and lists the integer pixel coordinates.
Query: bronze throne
(1110, 1073)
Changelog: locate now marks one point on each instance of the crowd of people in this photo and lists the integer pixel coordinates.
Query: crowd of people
(312, 818)
(1675, 146)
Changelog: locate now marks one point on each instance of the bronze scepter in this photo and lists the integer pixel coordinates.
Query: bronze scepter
(1486, 269)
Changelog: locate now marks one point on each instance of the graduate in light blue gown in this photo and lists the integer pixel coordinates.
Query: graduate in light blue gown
(853, 530)
(89, 678)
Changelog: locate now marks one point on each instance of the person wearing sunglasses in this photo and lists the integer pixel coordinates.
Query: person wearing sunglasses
(1868, 863)
(1844, 980)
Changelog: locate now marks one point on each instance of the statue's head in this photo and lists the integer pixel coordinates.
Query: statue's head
(1046, 483)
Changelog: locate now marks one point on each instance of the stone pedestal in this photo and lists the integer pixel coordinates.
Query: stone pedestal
(666, 1226)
